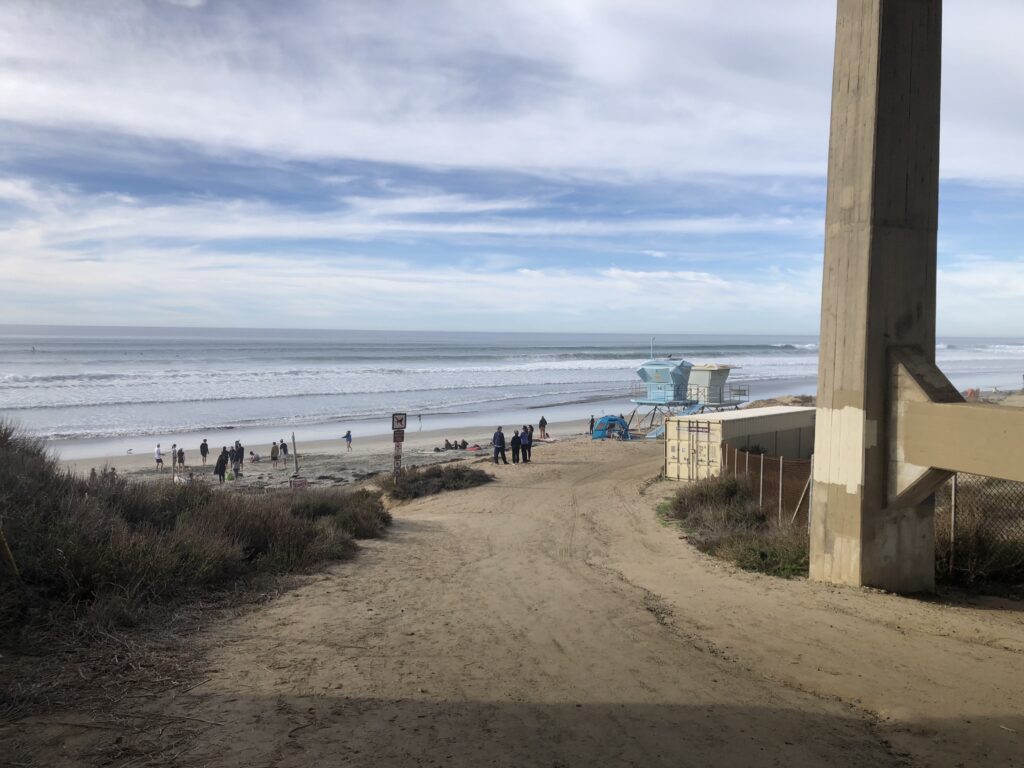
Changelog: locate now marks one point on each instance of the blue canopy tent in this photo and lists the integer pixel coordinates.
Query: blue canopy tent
(611, 426)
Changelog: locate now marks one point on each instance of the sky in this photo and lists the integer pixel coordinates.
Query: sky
(556, 165)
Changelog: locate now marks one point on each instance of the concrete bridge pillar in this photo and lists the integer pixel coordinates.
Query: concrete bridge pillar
(878, 298)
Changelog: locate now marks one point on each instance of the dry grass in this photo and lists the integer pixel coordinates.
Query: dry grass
(434, 479)
(118, 575)
(103, 554)
(723, 519)
(988, 551)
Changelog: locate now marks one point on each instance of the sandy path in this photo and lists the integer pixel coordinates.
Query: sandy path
(549, 619)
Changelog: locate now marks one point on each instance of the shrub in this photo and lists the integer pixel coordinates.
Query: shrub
(105, 550)
(427, 481)
(359, 513)
(724, 520)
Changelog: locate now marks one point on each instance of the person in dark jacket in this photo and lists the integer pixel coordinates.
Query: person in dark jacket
(591, 425)
(221, 467)
(239, 454)
(516, 443)
(526, 444)
(204, 450)
(498, 441)
(543, 424)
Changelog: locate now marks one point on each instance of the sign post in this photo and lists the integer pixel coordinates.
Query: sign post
(398, 424)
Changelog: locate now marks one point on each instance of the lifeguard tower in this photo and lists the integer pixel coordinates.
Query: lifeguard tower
(709, 385)
(678, 388)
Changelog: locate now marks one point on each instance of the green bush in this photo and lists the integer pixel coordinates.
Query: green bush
(105, 549)
(427, 481)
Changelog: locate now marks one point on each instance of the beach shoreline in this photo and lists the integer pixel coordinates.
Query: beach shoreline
(323, 462)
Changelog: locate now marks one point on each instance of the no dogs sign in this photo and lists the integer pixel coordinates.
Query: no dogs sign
(398, 421)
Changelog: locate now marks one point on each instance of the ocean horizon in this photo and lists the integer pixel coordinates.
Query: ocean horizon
(100, 388)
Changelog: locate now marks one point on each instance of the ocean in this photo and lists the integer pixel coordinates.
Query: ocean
(89, 390)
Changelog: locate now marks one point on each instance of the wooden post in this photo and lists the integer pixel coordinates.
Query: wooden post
(796, 509)
(760, 486)
(746, 466)
(295, 454)
(952, 523)
(735, 460)
(781, 461)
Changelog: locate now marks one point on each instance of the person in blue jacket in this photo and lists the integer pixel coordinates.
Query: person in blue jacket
(498, 441)
(525, 444)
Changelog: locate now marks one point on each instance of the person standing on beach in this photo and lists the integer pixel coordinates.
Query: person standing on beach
(284, 451)
(543, 424)
(181, 457)
(516, 444)
(348, 439)
(221, 467)
(274, 453)
(159, 456)
(498, 441)
(240, 454)
(526, 444)
(591, 424)
(204, 450)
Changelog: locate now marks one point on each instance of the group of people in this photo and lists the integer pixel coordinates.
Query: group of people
(233, 457)
(521, 444)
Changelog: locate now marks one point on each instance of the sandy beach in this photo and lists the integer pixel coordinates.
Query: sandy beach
(326, 462)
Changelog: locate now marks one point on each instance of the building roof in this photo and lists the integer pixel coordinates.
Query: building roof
(746, 413)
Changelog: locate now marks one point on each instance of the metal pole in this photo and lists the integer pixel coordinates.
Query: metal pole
(760, 486)
(952, 523)
(295, 455)
(781, 462)
(746, 466)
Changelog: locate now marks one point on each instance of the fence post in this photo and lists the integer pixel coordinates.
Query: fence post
(781, 461)
(746, 466)
(735, 460)
(952, 523)
(760, 485)
(810, 496)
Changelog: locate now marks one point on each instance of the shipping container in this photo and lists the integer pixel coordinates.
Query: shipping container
(694, 445)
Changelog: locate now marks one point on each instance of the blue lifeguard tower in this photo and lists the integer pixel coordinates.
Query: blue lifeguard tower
(677, 387)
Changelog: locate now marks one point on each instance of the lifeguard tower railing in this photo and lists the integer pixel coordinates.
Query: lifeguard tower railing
(719, 397)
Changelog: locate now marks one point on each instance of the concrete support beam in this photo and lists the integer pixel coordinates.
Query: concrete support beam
(878, 288)
(944, 435)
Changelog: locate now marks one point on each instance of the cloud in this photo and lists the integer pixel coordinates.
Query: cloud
(282, 155)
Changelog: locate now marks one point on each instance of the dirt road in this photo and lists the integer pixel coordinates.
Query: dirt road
(549, 620)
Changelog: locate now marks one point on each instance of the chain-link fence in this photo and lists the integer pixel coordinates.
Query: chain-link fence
(979, 529)
(781, 486)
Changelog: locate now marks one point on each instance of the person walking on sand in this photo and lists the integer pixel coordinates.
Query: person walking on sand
(526, 444)
(181, 457)
(159, 456)
(274, 453)
(591, 424)
(204, 450)
(516, 444)
(348, 440)
(498, 441)
(221, 467)
(543, 424)
(240, 453)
